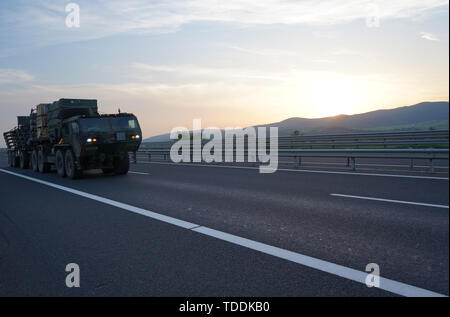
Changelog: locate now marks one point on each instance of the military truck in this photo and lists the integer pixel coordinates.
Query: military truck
(71, 135)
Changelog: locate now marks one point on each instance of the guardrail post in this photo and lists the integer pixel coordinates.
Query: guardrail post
(353, 163)
(411, 164)
(134, 158)
(165, 157)
(348, 162)
(298, 161)
(149, 157)
(431, 166)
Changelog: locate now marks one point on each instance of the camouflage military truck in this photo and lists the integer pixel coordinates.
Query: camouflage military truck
(72, 136)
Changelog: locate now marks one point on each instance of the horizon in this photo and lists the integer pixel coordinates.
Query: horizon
(169, 62)
(377, 109)
(328, 117)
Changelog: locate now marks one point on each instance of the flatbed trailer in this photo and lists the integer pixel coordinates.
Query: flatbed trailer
(17, 143)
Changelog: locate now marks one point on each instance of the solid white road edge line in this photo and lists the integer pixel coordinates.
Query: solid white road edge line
(321, 265)
(140, 173)
(391, 200)
(300, 170)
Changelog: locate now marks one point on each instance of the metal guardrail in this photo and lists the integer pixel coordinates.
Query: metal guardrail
(295, 147)
(350, 154)
(377, 135)
(418, 138)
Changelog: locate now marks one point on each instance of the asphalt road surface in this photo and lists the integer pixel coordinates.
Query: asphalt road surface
(183, 230)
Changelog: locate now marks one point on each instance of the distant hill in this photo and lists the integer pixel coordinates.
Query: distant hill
(421, 116)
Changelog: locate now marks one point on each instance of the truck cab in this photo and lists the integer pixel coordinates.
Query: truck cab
(98, 141)
(71, 135)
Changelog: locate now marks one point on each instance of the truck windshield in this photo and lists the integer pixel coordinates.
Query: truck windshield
(123, 123)
(108, 124)
(95, 125)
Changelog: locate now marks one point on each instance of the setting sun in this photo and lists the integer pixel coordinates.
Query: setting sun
(330, 95)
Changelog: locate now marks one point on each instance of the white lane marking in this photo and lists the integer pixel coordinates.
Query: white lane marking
(144, 212)
(325, 266)
(140, 173)
(391, 201)
(300, 170)
(321, 265)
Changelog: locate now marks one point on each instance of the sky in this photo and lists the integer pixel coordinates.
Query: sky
(230, 63)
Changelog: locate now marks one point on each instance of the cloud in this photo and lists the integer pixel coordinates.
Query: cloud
(194, 73)
(14, 76)
(262, 52)
(44, 22)
(429, 36)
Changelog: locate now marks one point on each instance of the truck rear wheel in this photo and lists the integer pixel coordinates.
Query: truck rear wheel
(70, 165)
(34, 161)
(60, 165)
(42, 165)
(24, 160)
(121, 166)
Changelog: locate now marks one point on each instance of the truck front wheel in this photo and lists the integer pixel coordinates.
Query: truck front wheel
(71, 169)
(60, 168)
(121, 166)
(34, 161)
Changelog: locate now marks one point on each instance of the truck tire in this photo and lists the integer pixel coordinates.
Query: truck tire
(34, 161)
(70, 165)
(15, 160)
(10, 159)
(121, 166)
(42, 165)
(107, 170)
(24, 160)
(60, 164)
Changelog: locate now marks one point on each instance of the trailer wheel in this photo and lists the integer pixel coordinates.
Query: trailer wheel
(71, 169)
(15, 160)
(34, 161)
(60, 165)
(121, 166)
(24, 160)
(42, 165)
(9, 159)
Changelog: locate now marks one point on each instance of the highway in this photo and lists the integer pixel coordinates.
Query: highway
(185, 230)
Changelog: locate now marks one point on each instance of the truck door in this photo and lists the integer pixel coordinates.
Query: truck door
(75, 138)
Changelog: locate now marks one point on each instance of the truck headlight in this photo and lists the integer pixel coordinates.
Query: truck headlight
(89, 140)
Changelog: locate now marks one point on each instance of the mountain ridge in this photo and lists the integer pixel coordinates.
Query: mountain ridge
(420, 116)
